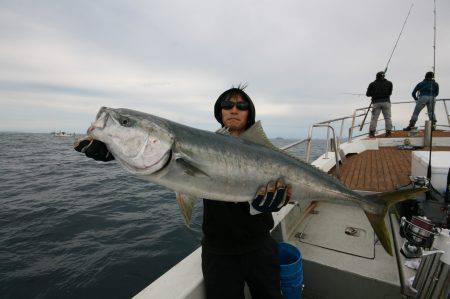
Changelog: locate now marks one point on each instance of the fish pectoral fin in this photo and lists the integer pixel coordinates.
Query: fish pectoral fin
(257, 135)
(189, 166)
(186, 204)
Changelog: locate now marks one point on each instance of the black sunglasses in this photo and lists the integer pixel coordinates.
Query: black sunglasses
(227, 105)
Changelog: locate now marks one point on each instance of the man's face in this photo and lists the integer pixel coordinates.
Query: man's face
(234, 118)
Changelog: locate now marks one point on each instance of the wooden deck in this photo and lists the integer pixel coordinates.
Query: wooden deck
(379, 170)
(403, 134)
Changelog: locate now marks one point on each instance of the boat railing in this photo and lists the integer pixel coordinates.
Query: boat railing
(341, 122)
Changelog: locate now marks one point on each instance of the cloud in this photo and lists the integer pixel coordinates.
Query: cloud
(174, 58)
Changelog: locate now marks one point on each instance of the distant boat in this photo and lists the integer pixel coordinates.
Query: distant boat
(62, 134)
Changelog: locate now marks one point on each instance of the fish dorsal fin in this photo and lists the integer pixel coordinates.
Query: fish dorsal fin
(186, 204)
(223, 131)
(257, 135)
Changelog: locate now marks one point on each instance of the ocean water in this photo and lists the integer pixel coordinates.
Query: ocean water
(71, 227)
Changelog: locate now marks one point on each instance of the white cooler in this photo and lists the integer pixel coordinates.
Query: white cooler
(440, 163)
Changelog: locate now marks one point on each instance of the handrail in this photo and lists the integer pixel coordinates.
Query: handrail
(308, 147)
(336, 154)
(404, 102)
(294, 144)
(353, 117)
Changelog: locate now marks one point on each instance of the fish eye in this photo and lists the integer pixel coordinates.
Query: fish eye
(125, 122)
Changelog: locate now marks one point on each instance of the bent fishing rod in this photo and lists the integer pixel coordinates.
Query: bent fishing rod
(389, 60)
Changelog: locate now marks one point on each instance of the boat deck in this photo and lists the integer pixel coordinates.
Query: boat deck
(379, 170)
(403, 134)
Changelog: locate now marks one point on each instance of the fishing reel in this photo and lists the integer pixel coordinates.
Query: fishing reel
(419, 181)
(416, 182)
(419, 233)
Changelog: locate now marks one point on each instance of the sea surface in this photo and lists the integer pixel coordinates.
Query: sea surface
(71, 227)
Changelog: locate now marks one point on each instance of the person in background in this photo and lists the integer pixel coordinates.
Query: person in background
(424, 94)
(380, 90)
(236, 246)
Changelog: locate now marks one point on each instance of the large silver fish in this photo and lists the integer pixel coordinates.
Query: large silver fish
(201, 164)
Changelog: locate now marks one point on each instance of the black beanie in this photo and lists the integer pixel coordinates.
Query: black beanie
(380, 75)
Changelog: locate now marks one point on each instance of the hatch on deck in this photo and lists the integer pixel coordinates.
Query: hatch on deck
(344, 230)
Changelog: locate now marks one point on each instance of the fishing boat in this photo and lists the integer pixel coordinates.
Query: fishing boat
(341, 256)
(62, 134)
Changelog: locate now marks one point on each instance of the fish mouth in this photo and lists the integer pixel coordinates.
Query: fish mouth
(100, 121)
(134, 161)
(164, 160)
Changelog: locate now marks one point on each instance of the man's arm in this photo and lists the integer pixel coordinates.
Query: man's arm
(390, 86)
(414, 93)
(436, 90)
(369, 92)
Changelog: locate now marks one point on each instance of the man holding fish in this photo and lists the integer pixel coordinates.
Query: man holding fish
(236, 245)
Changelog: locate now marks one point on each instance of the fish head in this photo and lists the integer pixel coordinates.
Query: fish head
(141, 142)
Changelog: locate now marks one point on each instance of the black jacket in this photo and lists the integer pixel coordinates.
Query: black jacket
(229, 228)
(380, 90)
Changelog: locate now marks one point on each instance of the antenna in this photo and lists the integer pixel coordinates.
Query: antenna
(429, 170)
(434, 41)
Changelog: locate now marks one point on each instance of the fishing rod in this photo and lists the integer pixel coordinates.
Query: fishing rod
(389, 60)
(354, 93)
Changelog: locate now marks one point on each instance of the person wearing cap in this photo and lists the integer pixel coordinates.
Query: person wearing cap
(236, 246)
(380, 90)
(424, 94)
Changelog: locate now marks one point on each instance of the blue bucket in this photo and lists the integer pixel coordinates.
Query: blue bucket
(291, 271)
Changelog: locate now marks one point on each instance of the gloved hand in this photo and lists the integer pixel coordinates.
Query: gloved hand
(272, 197)
(94, 149)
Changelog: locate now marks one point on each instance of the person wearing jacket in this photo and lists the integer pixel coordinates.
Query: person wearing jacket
(380, 90)
(424, 94)
(236, 246)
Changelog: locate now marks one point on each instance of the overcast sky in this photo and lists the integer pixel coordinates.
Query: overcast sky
(60, 61)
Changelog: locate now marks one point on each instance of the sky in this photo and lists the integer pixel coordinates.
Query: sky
(60, 61)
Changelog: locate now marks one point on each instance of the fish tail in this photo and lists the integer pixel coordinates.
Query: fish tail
(382, 202)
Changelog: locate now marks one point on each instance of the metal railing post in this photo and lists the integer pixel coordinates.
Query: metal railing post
(308, 147)
(328, 140)
(446, 111)
(336, 153)
(350, 131)
(340, 132)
